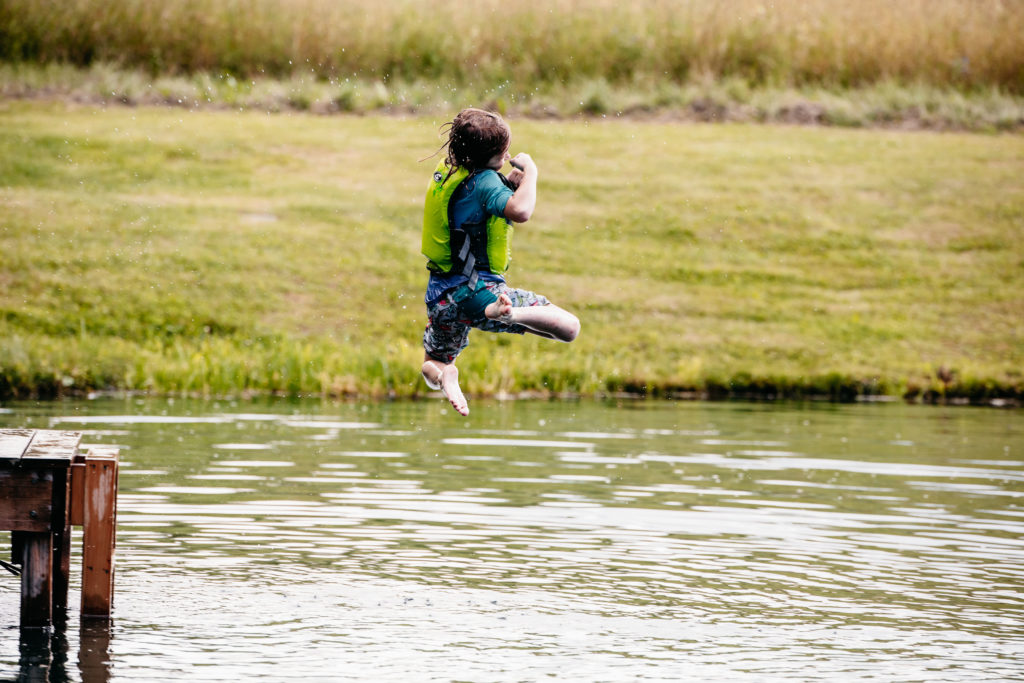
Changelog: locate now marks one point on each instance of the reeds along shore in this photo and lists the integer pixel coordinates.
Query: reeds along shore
(961, 44)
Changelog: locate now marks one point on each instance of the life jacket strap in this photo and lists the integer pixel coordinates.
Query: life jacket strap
(466, 255)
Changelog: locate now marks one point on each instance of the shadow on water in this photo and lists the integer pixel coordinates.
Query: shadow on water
(44, 653)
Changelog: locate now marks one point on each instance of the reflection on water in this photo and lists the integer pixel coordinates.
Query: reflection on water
(648, 541)
(44, 653)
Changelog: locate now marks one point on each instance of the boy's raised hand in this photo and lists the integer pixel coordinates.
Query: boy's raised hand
(522, 162)
(521, 204)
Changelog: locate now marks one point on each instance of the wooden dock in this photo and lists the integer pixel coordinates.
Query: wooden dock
(46, 488)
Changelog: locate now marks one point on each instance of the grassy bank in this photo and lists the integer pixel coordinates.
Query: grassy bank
(216, 252)
(887, 104)
(958, 43)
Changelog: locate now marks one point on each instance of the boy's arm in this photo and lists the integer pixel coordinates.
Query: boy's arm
(523, 201)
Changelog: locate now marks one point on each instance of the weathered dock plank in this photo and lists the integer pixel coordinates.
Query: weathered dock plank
(14, 443)
(48, 444)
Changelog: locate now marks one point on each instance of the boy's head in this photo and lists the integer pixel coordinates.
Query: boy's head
(475, 137)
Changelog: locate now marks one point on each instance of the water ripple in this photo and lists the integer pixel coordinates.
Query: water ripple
(674, 542)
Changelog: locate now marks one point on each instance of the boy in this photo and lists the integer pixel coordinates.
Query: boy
(467, 229)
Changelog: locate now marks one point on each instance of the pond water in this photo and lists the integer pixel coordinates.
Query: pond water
(580, 541)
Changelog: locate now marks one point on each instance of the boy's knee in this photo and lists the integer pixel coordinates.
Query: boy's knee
(572, 328)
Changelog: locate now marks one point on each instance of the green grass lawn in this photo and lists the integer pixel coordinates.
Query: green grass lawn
(223, 252)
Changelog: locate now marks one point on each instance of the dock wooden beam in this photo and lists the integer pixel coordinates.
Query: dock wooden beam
(99, 521)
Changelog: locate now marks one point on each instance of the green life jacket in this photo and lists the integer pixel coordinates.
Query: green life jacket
(465, 248)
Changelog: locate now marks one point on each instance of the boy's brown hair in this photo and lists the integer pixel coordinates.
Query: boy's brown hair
(475, 136)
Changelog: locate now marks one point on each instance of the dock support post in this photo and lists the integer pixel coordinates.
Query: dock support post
(99, 520)
(61, 526)
(36, 579)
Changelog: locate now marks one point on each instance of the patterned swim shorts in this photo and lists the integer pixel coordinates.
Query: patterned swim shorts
(447, 332)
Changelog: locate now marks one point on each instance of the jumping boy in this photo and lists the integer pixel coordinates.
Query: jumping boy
(467, 231)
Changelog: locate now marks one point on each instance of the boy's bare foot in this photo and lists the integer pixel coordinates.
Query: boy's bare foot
(500, 310)
(450, 388)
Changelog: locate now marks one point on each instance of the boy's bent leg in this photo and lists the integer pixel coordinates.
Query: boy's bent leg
(445, 376)
(548, 320)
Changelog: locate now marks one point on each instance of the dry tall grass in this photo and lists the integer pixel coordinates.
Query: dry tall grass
(954, 43)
